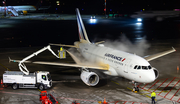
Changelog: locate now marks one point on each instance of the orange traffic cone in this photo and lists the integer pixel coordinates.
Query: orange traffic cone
(1, 82)
(105, 101)
(177, 69)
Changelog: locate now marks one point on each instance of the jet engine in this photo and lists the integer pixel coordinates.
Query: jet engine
(156, 72)
(89, 78)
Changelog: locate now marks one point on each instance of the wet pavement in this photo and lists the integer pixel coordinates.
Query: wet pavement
(67, 85)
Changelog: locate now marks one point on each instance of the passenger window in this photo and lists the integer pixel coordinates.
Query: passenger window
(44, 77)
(139, 67)
(135, 67)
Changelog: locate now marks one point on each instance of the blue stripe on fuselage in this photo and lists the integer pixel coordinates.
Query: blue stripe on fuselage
(81, 28)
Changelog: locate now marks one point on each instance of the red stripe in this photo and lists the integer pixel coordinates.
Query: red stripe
(145, 85)
(175, 93)
(161, 84)
(166, 86)
(153, 84)
(178, 100)
(171, 89)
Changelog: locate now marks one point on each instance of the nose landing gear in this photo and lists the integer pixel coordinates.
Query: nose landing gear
(135, 88)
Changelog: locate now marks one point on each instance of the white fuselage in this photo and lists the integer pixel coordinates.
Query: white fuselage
(120, 63)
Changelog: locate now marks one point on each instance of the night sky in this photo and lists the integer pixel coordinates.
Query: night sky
(97, 6)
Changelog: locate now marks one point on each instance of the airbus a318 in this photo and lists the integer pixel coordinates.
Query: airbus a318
(113, 62)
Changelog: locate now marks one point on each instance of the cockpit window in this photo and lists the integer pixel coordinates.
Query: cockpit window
(135, 67)
(145, 67)
(149, 67)
(142, 67)
(139, 67)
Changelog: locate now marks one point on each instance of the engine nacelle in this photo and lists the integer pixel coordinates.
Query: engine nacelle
(89, 78)
(156, 72)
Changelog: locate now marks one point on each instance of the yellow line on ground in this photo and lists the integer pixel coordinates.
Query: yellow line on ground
(148, 93)
(5, 67)
(115, 82)
(129, 88)
(151, 90)
(139, 91)
(39, 90)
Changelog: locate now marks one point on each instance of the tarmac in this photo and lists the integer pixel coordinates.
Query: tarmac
(46, 16)
(68, 87)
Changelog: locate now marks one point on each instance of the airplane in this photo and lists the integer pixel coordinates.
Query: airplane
(110, 61)
(16, 10)
(158, 15)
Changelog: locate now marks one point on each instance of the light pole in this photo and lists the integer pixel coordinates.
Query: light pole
(4, 3)
(105, 8)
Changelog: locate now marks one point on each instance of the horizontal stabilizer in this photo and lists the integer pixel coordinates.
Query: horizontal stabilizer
(100, 42)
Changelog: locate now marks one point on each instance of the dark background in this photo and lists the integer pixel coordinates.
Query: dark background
(97, 6)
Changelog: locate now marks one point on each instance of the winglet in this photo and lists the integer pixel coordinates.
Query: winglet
(173, 48)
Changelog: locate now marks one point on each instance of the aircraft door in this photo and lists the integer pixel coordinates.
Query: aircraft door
(126, 65)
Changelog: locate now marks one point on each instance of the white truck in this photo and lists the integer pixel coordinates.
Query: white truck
(24, 79)
(17, 79)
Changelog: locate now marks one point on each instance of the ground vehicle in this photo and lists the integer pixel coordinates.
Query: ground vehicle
(93, 19)
(24, 79)
(47, 98)
(17, 79)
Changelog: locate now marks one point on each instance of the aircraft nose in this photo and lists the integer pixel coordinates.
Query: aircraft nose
(151, 77)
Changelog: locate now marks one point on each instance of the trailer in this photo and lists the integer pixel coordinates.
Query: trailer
(17, 79)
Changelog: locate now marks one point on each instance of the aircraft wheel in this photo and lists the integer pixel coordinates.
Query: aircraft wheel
(136, 89)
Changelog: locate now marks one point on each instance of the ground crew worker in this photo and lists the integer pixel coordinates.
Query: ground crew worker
(153, 96)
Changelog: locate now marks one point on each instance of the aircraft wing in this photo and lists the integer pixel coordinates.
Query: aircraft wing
(78, 63)
(155, 56)
(72, 65)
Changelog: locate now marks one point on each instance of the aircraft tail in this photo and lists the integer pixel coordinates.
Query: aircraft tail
(81, 28)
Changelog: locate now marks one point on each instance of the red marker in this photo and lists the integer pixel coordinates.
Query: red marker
(123, 59)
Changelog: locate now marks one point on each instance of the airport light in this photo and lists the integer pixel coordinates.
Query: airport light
(57, 2)
(139, 19)
(92, 20)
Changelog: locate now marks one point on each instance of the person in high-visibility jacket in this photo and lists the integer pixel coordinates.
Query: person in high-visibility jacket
(153, 96)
